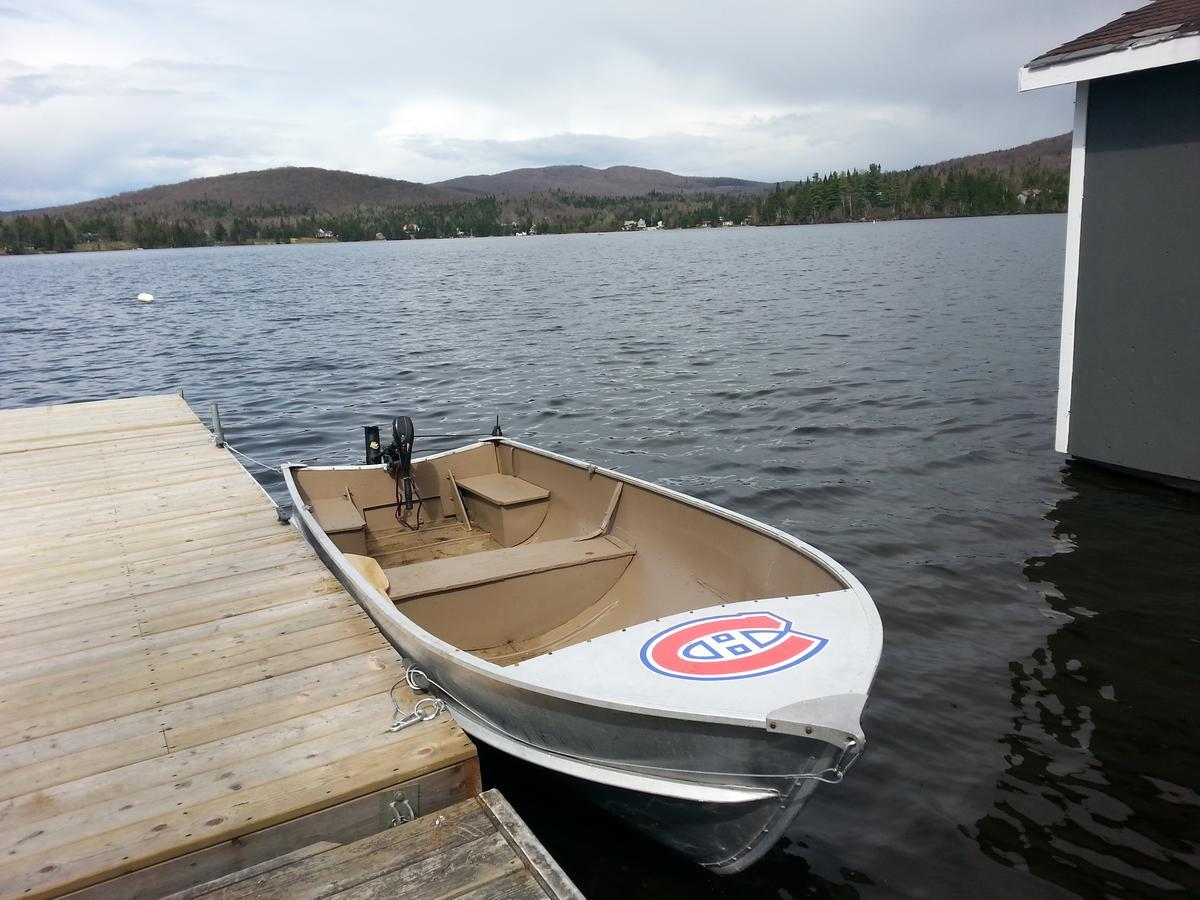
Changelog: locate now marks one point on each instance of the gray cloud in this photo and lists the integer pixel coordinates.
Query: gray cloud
(96, 98)
(27, 89)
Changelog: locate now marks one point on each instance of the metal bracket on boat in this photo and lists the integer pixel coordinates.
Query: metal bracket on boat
(833, 719)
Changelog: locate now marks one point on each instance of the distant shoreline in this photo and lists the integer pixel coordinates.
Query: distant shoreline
(116, 246)
(306, 204)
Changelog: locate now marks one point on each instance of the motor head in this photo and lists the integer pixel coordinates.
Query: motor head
(403, 438)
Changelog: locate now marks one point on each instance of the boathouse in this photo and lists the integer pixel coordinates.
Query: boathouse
(1129, 370)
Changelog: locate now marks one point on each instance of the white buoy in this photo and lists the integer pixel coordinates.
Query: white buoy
(145, 298)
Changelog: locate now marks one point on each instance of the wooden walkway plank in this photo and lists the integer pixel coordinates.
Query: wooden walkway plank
(443, 876)
(152, 541)
(177, 669)
(350, 865)
(129, 496)
(98, 707)
(150, 790)
(23, 582)
(206, 637)
(71, 532)
(154, 604)
(81, 484)
(180, 663)
(540, 863)
(187, 569)
(197, 825)
(66, 756)
(468, 850)
(159, 775)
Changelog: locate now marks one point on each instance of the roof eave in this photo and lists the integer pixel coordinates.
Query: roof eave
(1101, 62)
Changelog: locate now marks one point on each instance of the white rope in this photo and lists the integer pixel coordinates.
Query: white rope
(250, 458)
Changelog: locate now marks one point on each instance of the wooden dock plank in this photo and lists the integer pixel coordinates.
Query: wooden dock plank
(180, 664)
(70, 755)
(83, 793)
(350, 865)
(467, 850)
(539, 863)
(161, 608)
(207, 638)
(242, 769)
(153, 839)
(179, 674)
(342, 823)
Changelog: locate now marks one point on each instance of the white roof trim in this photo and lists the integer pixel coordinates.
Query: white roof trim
(1117, 62)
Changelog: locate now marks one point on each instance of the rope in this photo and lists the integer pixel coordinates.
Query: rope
(275, 469)
(248, 457)
(267, 466)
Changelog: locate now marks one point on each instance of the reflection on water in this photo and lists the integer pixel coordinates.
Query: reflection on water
(884, 391)
(1100, 794)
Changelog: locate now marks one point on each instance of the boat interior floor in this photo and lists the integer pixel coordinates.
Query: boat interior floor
(500, 569)
(399, 546)
(418, 578)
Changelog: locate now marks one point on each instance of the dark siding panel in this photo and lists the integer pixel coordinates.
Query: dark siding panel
(1136, 388)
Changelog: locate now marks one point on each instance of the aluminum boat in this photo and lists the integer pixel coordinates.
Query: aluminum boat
(698, 672)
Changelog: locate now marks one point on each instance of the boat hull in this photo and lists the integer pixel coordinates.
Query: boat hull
(720, 792)
(725, 838)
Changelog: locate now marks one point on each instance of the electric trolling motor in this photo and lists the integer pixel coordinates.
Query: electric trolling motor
(397, 456)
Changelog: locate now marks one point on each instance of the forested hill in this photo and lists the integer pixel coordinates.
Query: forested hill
(1052, 154)
(615, 181)
(1029, 178)
(288, 190)
(288, 204)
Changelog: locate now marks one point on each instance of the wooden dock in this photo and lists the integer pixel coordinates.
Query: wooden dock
(185, 690)
(479, 848)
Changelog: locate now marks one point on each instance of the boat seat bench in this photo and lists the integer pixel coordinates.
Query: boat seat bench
(439, 575)
(502, 490)
(341, 519)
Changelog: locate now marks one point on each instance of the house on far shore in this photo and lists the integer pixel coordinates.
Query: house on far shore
(411, 229)
(1129, 365)
(1028, 194)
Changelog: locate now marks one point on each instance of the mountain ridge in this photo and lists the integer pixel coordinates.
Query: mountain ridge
(334, 190)
(1052, 154)
(614, 181)
(312, 190)
(299, 204)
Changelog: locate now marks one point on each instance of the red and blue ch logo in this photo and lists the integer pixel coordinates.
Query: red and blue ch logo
(718, 648)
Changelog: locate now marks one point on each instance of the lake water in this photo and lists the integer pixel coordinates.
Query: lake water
(884, 391)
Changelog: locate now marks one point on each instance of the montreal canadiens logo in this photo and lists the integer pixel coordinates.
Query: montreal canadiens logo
(717, 648)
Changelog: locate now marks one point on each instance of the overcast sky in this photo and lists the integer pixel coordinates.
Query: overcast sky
(99, 97)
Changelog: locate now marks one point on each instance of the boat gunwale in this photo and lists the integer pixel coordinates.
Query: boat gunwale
(377, 603)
